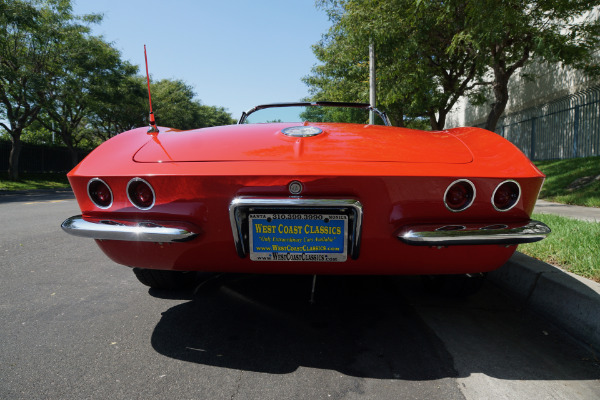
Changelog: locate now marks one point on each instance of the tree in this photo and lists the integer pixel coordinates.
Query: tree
(432, 52)
(28, 63)
(91, 69)
(123, 105)
(513, 34)
(417, 75)
(214, 116)
(175, 106)
(33, 37)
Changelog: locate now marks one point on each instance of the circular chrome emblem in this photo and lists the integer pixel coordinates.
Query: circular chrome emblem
(301, 131)
(295, 188)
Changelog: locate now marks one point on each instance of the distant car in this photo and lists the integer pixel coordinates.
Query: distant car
(291, 190)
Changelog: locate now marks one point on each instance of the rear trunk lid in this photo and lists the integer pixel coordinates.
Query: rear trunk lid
(337, 142)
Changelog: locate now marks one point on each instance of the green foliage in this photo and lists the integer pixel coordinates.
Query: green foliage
(56, 77)
(30, 34)
(561, 176)
(430, 52)
(121, 105)
(510, 34)
(573, 245)
(214, 116)
(37, 134)
(416, 74)
(175, 106)
(338, 114)
(92, 68)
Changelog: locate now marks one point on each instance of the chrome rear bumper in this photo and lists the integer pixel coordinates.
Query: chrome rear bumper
(134, 231)
(473, 234)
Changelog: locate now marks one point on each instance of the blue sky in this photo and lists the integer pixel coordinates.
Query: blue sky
(235, 53)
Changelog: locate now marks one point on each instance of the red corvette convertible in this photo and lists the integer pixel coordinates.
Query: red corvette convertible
(310, 196)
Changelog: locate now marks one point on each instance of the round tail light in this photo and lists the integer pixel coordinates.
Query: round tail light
(506, 195)
(459, 195)
(140, 194)
(100, 193)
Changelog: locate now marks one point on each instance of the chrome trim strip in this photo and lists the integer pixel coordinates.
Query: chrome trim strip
(498, 187)
(112, 198)
(428, 235)
(151, 188)
(236, 219)
(470, 203)
(115, 230)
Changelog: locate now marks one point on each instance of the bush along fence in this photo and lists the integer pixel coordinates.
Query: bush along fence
(568, 127)
(39, 158)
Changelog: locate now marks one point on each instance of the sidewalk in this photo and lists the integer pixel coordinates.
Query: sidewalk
(567, 300)
(565, 210)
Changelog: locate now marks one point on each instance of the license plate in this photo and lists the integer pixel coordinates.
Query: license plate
(298, 237)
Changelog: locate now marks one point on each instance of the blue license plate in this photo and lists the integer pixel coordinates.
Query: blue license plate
(298, 237)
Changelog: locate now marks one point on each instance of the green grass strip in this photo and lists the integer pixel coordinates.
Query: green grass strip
(34, 181)
(562, 173)
(573, 245)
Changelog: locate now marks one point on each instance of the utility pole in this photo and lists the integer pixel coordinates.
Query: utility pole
(372, 94)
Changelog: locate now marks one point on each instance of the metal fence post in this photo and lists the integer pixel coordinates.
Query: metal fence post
(575, 131)
(532, 151)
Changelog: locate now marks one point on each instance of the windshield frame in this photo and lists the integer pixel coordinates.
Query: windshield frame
(364, 106)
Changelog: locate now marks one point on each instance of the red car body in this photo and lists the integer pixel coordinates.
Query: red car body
(390, 183)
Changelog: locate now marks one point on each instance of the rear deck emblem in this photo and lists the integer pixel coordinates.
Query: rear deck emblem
(295, 188)
(301, 131)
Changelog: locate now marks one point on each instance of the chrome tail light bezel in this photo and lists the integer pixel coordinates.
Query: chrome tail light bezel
(466, 206)
(514, 203)
(140, 180)
(89, 186)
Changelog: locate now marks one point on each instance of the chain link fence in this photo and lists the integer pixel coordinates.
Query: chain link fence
(568, 127)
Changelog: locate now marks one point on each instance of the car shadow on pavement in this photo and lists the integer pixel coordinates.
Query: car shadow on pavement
(358, 326)
(369, 327)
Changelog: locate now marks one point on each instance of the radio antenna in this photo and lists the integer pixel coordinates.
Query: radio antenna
(153, 129)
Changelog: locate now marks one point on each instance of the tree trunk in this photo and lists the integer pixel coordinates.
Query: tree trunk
(74, 156)
(498, 107)
(437, 122)
(13, 160)
(502, 74)
(396, 116)
(66, 134)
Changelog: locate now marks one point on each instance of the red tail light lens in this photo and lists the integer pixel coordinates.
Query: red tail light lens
(140, 194)
(506, 195)
(100, 193)
(460, 195)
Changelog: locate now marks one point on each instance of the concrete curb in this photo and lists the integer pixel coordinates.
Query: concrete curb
(567, 300)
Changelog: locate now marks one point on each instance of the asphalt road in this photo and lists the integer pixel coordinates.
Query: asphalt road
(75, 325)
